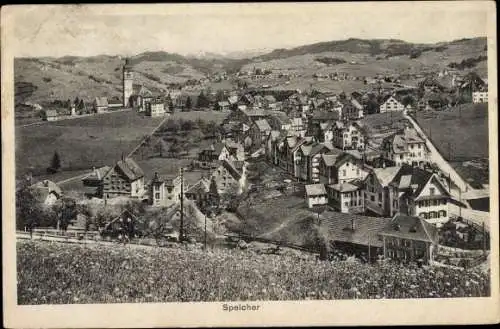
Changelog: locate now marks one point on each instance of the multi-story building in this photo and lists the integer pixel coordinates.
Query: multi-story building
(390, 103)
(308, 156)
(409, 239)
(346, 197)
(418, 192)
(259, 131)
(126, 178)
(405, 147)
(376, 190)
(480, 96)
(348, 135)
(327, 171)
(164, 191)
(230, 177)
(155, 108)
(316, 195)
(350, 168)
(209, 157)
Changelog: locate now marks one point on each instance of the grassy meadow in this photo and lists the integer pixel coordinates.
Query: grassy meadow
(52, 273)
(464, 128)
(81, 143)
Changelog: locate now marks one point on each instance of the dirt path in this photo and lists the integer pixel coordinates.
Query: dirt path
(151, 134)
(279, 227)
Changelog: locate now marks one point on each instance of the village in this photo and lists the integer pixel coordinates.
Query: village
(359, 163)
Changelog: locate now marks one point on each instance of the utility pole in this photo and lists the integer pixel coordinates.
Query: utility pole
(181, 230)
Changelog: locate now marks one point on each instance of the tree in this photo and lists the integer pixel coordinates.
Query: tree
(28, 209)
(187, 125)
(55, 163)
(188, 103)
(203, 101)
(161, 147)
(220, 96)
(81, 105)
(408, 100)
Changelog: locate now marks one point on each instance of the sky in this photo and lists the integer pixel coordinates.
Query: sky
(223, 28)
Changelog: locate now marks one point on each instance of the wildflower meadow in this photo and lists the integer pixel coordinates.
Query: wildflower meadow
(55, 273)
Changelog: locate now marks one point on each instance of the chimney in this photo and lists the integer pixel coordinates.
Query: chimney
(123, 157)
(156, 175)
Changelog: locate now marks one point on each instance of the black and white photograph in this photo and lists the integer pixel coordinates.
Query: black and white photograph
(241, 154)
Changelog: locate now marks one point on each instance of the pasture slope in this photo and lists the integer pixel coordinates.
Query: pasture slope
(81, 143)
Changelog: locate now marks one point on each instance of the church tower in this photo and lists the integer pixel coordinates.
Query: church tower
(128, 81)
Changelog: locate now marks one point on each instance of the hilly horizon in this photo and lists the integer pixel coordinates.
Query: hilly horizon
(40, 79)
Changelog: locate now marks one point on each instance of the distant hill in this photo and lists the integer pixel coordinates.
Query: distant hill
(47, 79)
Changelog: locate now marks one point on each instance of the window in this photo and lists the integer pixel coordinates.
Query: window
(343, 172)
(432, 190)
(401, 157)
(380, 196)
(372, 198)
(346, 204)
(157, 195)
(357, 172)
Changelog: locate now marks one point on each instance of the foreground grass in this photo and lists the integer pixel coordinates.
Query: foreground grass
(51, 273)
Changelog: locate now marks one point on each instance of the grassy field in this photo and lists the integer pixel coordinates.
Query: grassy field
(216, 116)
(380, 123)
(52, 273)
(464, 128)
(81, 143)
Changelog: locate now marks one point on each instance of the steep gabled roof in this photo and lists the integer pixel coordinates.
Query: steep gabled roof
(97, 174)
(418, 178)
(229, 166)
(130, 169)
(263, 125)
(412, 228)
(201, 186)
(46, 187)
(330, 157)
(338, 228)
(315, 190)
(385, 175)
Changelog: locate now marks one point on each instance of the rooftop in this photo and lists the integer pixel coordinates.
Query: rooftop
(315, 189)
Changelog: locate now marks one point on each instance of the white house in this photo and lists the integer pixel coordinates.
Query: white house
(316, 195)
(480, 96)
(48, 192)
(418, 192)
(390, 103)
(350, 168)
(405, 147)
(346, 197)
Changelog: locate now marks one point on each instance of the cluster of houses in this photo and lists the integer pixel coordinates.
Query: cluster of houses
(226, 173)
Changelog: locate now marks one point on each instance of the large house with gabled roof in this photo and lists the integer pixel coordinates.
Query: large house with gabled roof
(125, 178)
(418, 192)
(406, 146)
(409, 239)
